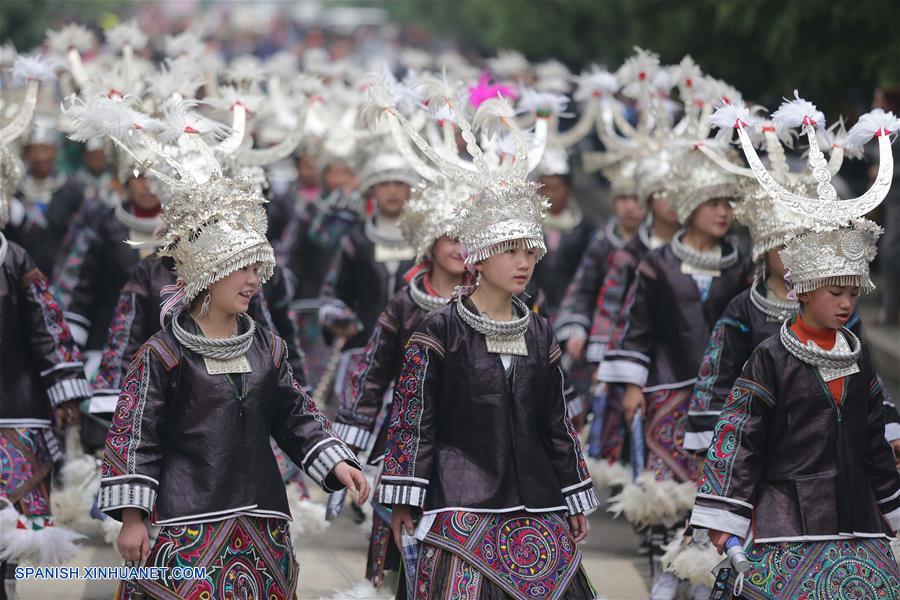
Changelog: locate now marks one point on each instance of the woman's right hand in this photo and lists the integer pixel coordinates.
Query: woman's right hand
(134, 539)
(402, 517)
(633, 401)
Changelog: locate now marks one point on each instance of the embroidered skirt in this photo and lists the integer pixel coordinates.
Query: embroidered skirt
(383, 554)
(245, 558)
(494, 556)
(827, 570)
(28, 532)
(664, 436)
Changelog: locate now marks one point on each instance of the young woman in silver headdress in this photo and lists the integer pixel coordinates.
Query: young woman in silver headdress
(427, 225)
(188, 466)
(483, 465)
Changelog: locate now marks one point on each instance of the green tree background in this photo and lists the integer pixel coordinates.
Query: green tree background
(834, 51)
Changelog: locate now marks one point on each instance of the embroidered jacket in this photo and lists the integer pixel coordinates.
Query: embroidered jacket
(356, 419)
(40, 366)
(136, 319)
(613, 304)
(362, 284)
(741, 329)
(311, 240)
(668, 323)
(463, 436)
(578, 304)
(45, 221)
(186, 446)
(103, 270)
(554, 274)
(793, 464)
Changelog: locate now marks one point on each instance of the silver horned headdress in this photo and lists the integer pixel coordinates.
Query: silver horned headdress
(215, 224)
(838, 243)
(506, 209)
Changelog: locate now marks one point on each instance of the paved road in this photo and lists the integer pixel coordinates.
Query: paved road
(333, 562)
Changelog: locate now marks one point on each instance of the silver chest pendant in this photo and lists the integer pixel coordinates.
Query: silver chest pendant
(215, 366)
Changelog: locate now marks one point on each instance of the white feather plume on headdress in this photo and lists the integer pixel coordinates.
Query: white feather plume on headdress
(102, 116)
(127, 33)
(70, 36)
(229, 96)
(34, 67)
(179, 119)
(596, 82)
(869, 125)
(186, 43)
(797, 112)
(176, 76)
(730, 115)
(544, 103)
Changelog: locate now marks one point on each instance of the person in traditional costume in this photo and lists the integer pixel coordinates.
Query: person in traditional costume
(798, 470)
(755, 314)
(46, 199)
(609, 322)
(41, 383)
(680, 292)
(373, 258)
(480, 449)
(188, 455)
(428, 226)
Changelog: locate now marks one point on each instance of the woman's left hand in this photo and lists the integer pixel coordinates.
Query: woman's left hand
(67, 414)
(579, 527)
(353, 479)
(895, 446)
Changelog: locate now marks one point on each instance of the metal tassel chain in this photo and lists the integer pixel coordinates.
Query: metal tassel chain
(218, 349)
(777, 309)
(4, 247)
(701, 260)
(497, 329)
(423, 299)
(816, 357)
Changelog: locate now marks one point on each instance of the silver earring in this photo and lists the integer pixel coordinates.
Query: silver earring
(204, 308)
(478, 280)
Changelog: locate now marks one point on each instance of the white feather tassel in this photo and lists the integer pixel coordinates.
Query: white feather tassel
(308, 516)
(731, 115)
(494, 115)
(542, 103)
(179, 119)
(593, 83)
(797, 112)
(45, 547)
(72, 36)
(691, 561)
(869, 125)
(110, 529)
(34, 67)
(127, 33)
(103, 116)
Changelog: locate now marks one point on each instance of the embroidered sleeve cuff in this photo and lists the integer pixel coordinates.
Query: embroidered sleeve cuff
(892, 431)
(719, 519)
(353, 436)
(619, 370)
(322, 459)
(402, 490)
(581, 498)
(697, 441)
(571, 330)
(596, 350)
(79, 327)
(118, 493)
(68, 389)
